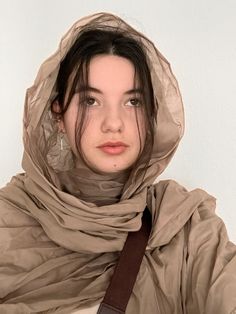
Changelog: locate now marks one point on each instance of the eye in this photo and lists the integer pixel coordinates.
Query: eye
(135, 102)
(90, 101)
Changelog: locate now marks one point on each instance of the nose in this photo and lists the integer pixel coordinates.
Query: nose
(112, 120)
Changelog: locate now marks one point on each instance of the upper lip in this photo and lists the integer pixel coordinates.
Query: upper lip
(114, 144)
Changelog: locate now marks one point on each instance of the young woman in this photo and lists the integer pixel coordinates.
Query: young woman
(102, 121)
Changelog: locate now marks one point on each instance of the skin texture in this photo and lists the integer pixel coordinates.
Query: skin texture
(113, 115)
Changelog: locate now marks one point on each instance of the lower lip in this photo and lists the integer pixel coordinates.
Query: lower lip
(113, 150)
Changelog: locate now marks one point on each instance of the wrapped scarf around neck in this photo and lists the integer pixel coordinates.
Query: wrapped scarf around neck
(75, 222)
(89, 186)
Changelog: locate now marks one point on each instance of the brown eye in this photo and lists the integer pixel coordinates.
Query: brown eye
(90, 101)
(135, 102)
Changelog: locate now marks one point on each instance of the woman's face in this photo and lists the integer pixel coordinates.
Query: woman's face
(114, 128)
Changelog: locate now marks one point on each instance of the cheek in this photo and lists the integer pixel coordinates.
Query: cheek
(88, 136)
(141, 130)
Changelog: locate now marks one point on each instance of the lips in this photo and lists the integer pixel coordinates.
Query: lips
(113, 148)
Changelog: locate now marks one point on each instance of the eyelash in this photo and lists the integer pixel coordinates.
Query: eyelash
(87, 101)
(84, 101)
(137, 101)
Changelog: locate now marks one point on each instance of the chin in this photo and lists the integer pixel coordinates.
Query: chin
(110, 166)
(110, 169)
(114, 169)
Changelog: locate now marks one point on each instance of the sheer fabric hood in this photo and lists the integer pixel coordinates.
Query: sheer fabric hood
(41, 147)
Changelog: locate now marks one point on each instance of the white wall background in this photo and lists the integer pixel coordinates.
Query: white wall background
(199, 39)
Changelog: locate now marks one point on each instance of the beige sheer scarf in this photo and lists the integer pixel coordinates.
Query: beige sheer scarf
(74, 236)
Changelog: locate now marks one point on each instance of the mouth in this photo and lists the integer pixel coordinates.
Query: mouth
(113, 148)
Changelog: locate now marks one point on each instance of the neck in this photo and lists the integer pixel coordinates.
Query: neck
(92, 187)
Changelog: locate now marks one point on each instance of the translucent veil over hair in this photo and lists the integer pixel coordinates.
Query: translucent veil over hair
(40, 129)
(58, 251)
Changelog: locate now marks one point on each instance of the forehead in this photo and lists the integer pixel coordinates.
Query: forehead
(111, 72)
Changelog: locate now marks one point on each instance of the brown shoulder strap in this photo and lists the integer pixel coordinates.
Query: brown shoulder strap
(127, 268)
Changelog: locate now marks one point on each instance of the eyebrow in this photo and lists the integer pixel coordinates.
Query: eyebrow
(96, 90)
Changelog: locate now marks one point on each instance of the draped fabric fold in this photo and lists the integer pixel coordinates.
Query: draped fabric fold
(62, 228)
